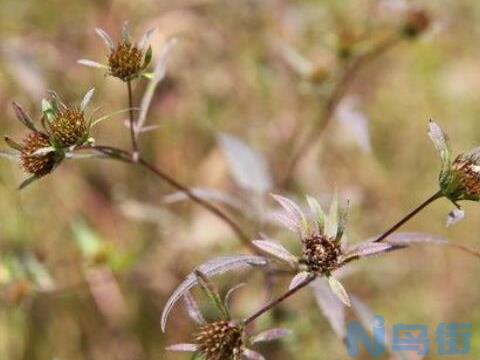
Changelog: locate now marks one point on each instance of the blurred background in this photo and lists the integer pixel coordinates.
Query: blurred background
(89, 254)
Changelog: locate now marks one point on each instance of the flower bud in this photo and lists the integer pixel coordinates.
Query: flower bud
(37, 164)
(69, 127)
(220, 340)
(125, 61)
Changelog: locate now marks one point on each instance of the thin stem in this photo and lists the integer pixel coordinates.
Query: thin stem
(278, 300)
(336, 96)
(122, 155)
(410, 215)
(132, 121)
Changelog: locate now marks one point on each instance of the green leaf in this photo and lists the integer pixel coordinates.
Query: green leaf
(28, 181)
(317, 212)
(342, 221)
(48, 110)
(339, 290)
(212, 293)
(148, 58)
(148, 75)
(331, 226)
(13, 144)
(441, 143)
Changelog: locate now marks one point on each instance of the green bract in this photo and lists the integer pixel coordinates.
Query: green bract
(459, 179)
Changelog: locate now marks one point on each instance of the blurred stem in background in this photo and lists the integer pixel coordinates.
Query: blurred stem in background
(307, 140)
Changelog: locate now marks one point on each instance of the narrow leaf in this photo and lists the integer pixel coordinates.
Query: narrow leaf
(441, 142)
(293, 212)
(24, 118)
(91, 63)
(148, 58)
(298, 279)
(277, 251)
(145, 39)
(159, 74)
(183, 347)
(317, 213)
(213, 267)
(10, 155)
(248, 167)
(368, 249)
(252, 355)
(270, 335)
(42, 151)
(106, 38)
(126, 32)
(331, 225)
(342, 221)
(230, 293)
(86, 99)
(339, 290)
(193, 309)
(28, 181)
(211, 291)
(13, 144)
(331, 307)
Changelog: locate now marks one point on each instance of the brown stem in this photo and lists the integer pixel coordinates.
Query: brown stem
(278, 300)
(410, 215)
(132, 121)
(122, 155)
(336, 96)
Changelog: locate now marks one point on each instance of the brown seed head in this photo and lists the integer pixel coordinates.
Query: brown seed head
(221, 340)
(467, 174)
(39, 164)
(416, 22)
(321, 254)
(125, 61)
(69, 127)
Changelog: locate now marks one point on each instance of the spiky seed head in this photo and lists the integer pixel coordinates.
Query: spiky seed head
(69, 127)
(125, 61)
(321, 254)
(466, 179)
(220, 340)
(37, 164)
(416, 22)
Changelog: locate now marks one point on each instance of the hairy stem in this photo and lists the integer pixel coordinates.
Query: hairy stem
(410, 215)
(132, 121)
(122, 155)
(332, 102)
(278, 300)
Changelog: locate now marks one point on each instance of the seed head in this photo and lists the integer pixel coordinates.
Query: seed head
(69, 127)
(416, 22)
(466, 176)
(220, 340)
(321, 254)
(36, 164)
(125, 61)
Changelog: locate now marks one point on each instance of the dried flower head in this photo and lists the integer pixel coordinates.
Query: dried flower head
(223, 339)
(220, 340)
(459, 179)
(32, 159)
(125, 60)
(324, 247)
(416, 22)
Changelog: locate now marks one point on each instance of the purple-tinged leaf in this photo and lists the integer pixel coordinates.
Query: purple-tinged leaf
(455, 216)
(213, 267)
(298, 279)
(367, 319)
(331, 307)
(248, 167)
(293, 212)
(183, 347)
(86, 99)
(228, 297)
(277, 251)
(270, 335)
(106, 38)
(92, 64)
(355, 122)
(339, 290)
(252, 355)
(158, 76)
(23, 117)
(192, 309)
(281, 218)
(145, 40)
(317, 213)
(368, 248)
(411, 238)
